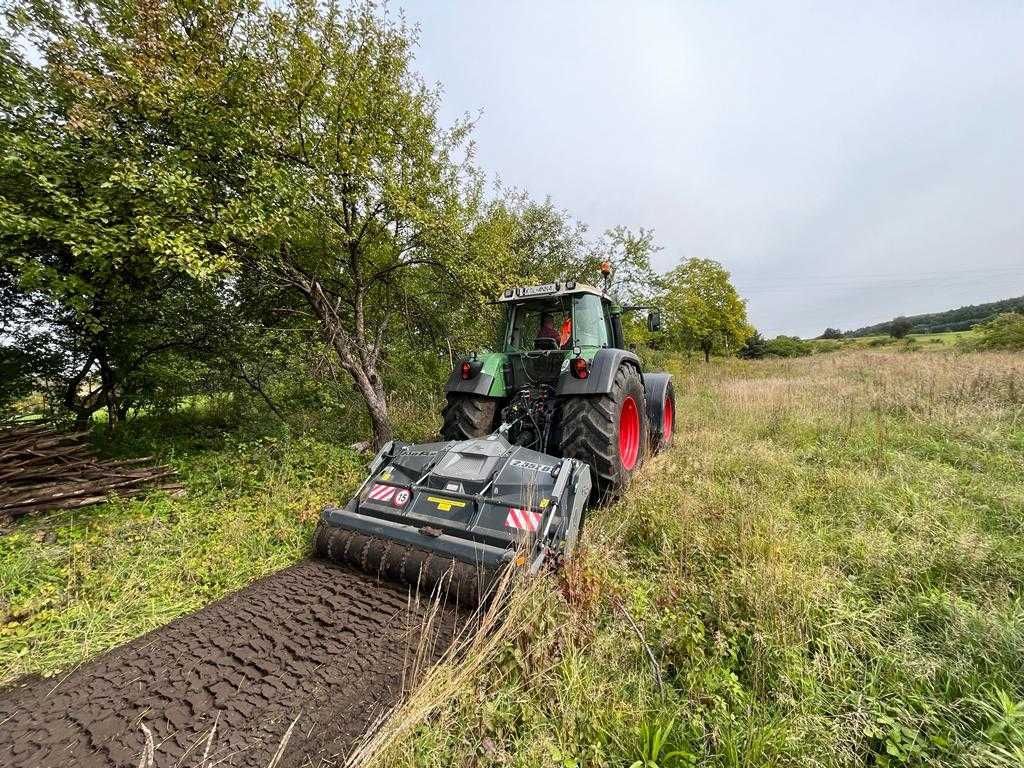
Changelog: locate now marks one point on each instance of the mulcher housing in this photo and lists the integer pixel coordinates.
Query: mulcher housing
(466, 507)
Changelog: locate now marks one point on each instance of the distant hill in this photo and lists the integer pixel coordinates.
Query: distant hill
(951, 320)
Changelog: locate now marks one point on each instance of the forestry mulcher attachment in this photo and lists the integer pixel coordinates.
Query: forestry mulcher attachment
(558, 417)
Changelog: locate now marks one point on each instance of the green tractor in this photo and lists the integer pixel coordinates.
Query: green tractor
(563, 382)
(560, 416)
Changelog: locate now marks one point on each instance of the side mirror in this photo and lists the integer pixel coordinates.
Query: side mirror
(654, 321)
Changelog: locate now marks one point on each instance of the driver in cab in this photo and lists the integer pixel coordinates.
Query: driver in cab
(548, 330)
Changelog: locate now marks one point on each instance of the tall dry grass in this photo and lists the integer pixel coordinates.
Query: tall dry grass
(825, 570)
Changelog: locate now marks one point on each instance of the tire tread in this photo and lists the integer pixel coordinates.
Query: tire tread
(468, 416)
(590, 432)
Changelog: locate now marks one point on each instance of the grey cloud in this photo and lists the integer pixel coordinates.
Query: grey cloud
(848, 162)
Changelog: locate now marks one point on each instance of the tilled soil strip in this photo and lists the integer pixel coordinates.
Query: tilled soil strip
(317, 644)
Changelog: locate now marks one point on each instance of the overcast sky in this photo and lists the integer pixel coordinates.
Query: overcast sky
(847, 162)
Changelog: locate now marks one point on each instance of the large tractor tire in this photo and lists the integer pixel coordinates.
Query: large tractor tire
(468, 416)
(609, 432)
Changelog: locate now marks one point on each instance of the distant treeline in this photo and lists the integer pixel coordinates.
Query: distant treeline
(961, 319)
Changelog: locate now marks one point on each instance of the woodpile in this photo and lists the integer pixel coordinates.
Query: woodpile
(43, 469)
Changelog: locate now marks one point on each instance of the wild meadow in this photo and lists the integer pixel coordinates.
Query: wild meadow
(825, 570)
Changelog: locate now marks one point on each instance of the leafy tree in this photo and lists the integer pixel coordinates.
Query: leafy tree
(367, 198)
(115, 364)
(702, 309)
(628, 253)
(533, 241)
(109, 225)
(754, 348)
(831, 333)
(900, 327)
(16, 379)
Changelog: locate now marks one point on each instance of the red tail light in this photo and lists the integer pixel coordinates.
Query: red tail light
(580, 367)
(467, 370)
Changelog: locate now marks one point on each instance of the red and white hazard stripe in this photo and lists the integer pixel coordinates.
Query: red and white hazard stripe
(381, 492)
(523, 519)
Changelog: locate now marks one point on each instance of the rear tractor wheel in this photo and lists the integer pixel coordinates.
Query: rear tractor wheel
(609, 432)
(468, 416)
(663, 420)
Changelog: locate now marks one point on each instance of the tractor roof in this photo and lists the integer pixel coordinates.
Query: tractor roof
(546, 291)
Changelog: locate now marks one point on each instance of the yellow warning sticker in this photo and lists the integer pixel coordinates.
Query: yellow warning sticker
(445, 505)
(544, 503)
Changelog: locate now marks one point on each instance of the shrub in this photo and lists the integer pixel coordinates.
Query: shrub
(900, 327)
(788, 346)
(754, 348)
(1004, 331)
(828, 345)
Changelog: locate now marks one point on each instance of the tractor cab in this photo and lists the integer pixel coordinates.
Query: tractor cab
(580, 316)
(547, 325)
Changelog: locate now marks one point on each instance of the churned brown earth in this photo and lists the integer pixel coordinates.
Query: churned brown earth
(317, 645)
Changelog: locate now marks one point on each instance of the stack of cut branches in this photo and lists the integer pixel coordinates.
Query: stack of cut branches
(42, 469)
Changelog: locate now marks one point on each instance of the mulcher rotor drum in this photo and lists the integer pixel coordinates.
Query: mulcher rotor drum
(446, 518)
(431, 574)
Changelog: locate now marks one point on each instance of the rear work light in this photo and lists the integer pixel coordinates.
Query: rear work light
(470, 368)
(580, 367)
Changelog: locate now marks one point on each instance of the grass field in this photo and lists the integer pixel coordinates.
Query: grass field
(74, 584)
(915, 341)
(825, 570)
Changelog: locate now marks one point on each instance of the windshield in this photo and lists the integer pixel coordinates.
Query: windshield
(549, 324)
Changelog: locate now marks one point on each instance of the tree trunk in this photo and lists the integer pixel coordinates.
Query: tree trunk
(353, 352)
(108, 392)
(82, 407)
(379, 420)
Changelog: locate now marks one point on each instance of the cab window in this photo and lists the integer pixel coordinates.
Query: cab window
(528, 328)
(591, 329)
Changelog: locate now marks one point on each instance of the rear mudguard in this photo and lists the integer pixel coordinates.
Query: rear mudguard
(603, 368)
(657, 393)
(487, 381)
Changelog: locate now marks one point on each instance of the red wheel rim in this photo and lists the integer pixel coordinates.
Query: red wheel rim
(629, 433)
(666, 421)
